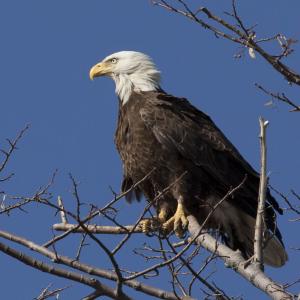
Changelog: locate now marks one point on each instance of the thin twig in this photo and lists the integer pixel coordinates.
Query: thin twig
(12, 147)
(47, 293)
(281, 97)
(216, 291)
(285, 198)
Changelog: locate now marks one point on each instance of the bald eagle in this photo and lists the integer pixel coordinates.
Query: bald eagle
(180, 147)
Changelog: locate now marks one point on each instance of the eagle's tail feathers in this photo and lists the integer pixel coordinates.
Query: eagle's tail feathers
(274, 252)
(240, 228)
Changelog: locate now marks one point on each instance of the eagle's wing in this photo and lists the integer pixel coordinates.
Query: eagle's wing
(177, 124)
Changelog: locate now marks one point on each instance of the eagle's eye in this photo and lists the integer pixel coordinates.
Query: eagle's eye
(113, 60)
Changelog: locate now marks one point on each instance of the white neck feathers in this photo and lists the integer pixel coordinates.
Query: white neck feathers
(139, 81)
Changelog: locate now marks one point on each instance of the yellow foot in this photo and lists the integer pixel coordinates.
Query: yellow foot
(149, 225)
(154, 224)
(178, 222)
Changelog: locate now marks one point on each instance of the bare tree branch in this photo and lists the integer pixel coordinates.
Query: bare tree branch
(37, 264)
(244, 37)
(285, 198)
(47, 293)
(12, 147)
(280, 97)
(97, 229)
(260, 218)
(234, 260)
(92, 270)
(8, 153)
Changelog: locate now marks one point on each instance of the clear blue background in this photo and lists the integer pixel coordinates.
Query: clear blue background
(47, 48)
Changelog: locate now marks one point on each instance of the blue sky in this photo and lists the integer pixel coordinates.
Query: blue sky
(47, 49)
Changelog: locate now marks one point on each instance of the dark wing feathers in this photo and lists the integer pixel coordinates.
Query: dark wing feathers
(177, 124)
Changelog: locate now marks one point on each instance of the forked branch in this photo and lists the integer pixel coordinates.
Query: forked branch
(237, 33)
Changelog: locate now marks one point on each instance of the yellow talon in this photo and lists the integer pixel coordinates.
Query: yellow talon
(153, 224)
(178, 222)
(146, 225)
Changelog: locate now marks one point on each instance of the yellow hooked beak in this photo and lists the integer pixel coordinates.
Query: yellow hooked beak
(99, 69)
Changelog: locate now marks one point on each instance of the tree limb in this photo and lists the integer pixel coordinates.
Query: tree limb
(260, 218)
(92, 270)
(236, 262)
(243, 37)
(37, 264)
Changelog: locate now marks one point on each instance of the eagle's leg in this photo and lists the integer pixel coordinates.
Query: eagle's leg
(178, 222)
(149, 225)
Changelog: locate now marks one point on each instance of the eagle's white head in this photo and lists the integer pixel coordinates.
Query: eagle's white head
(131, 71)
